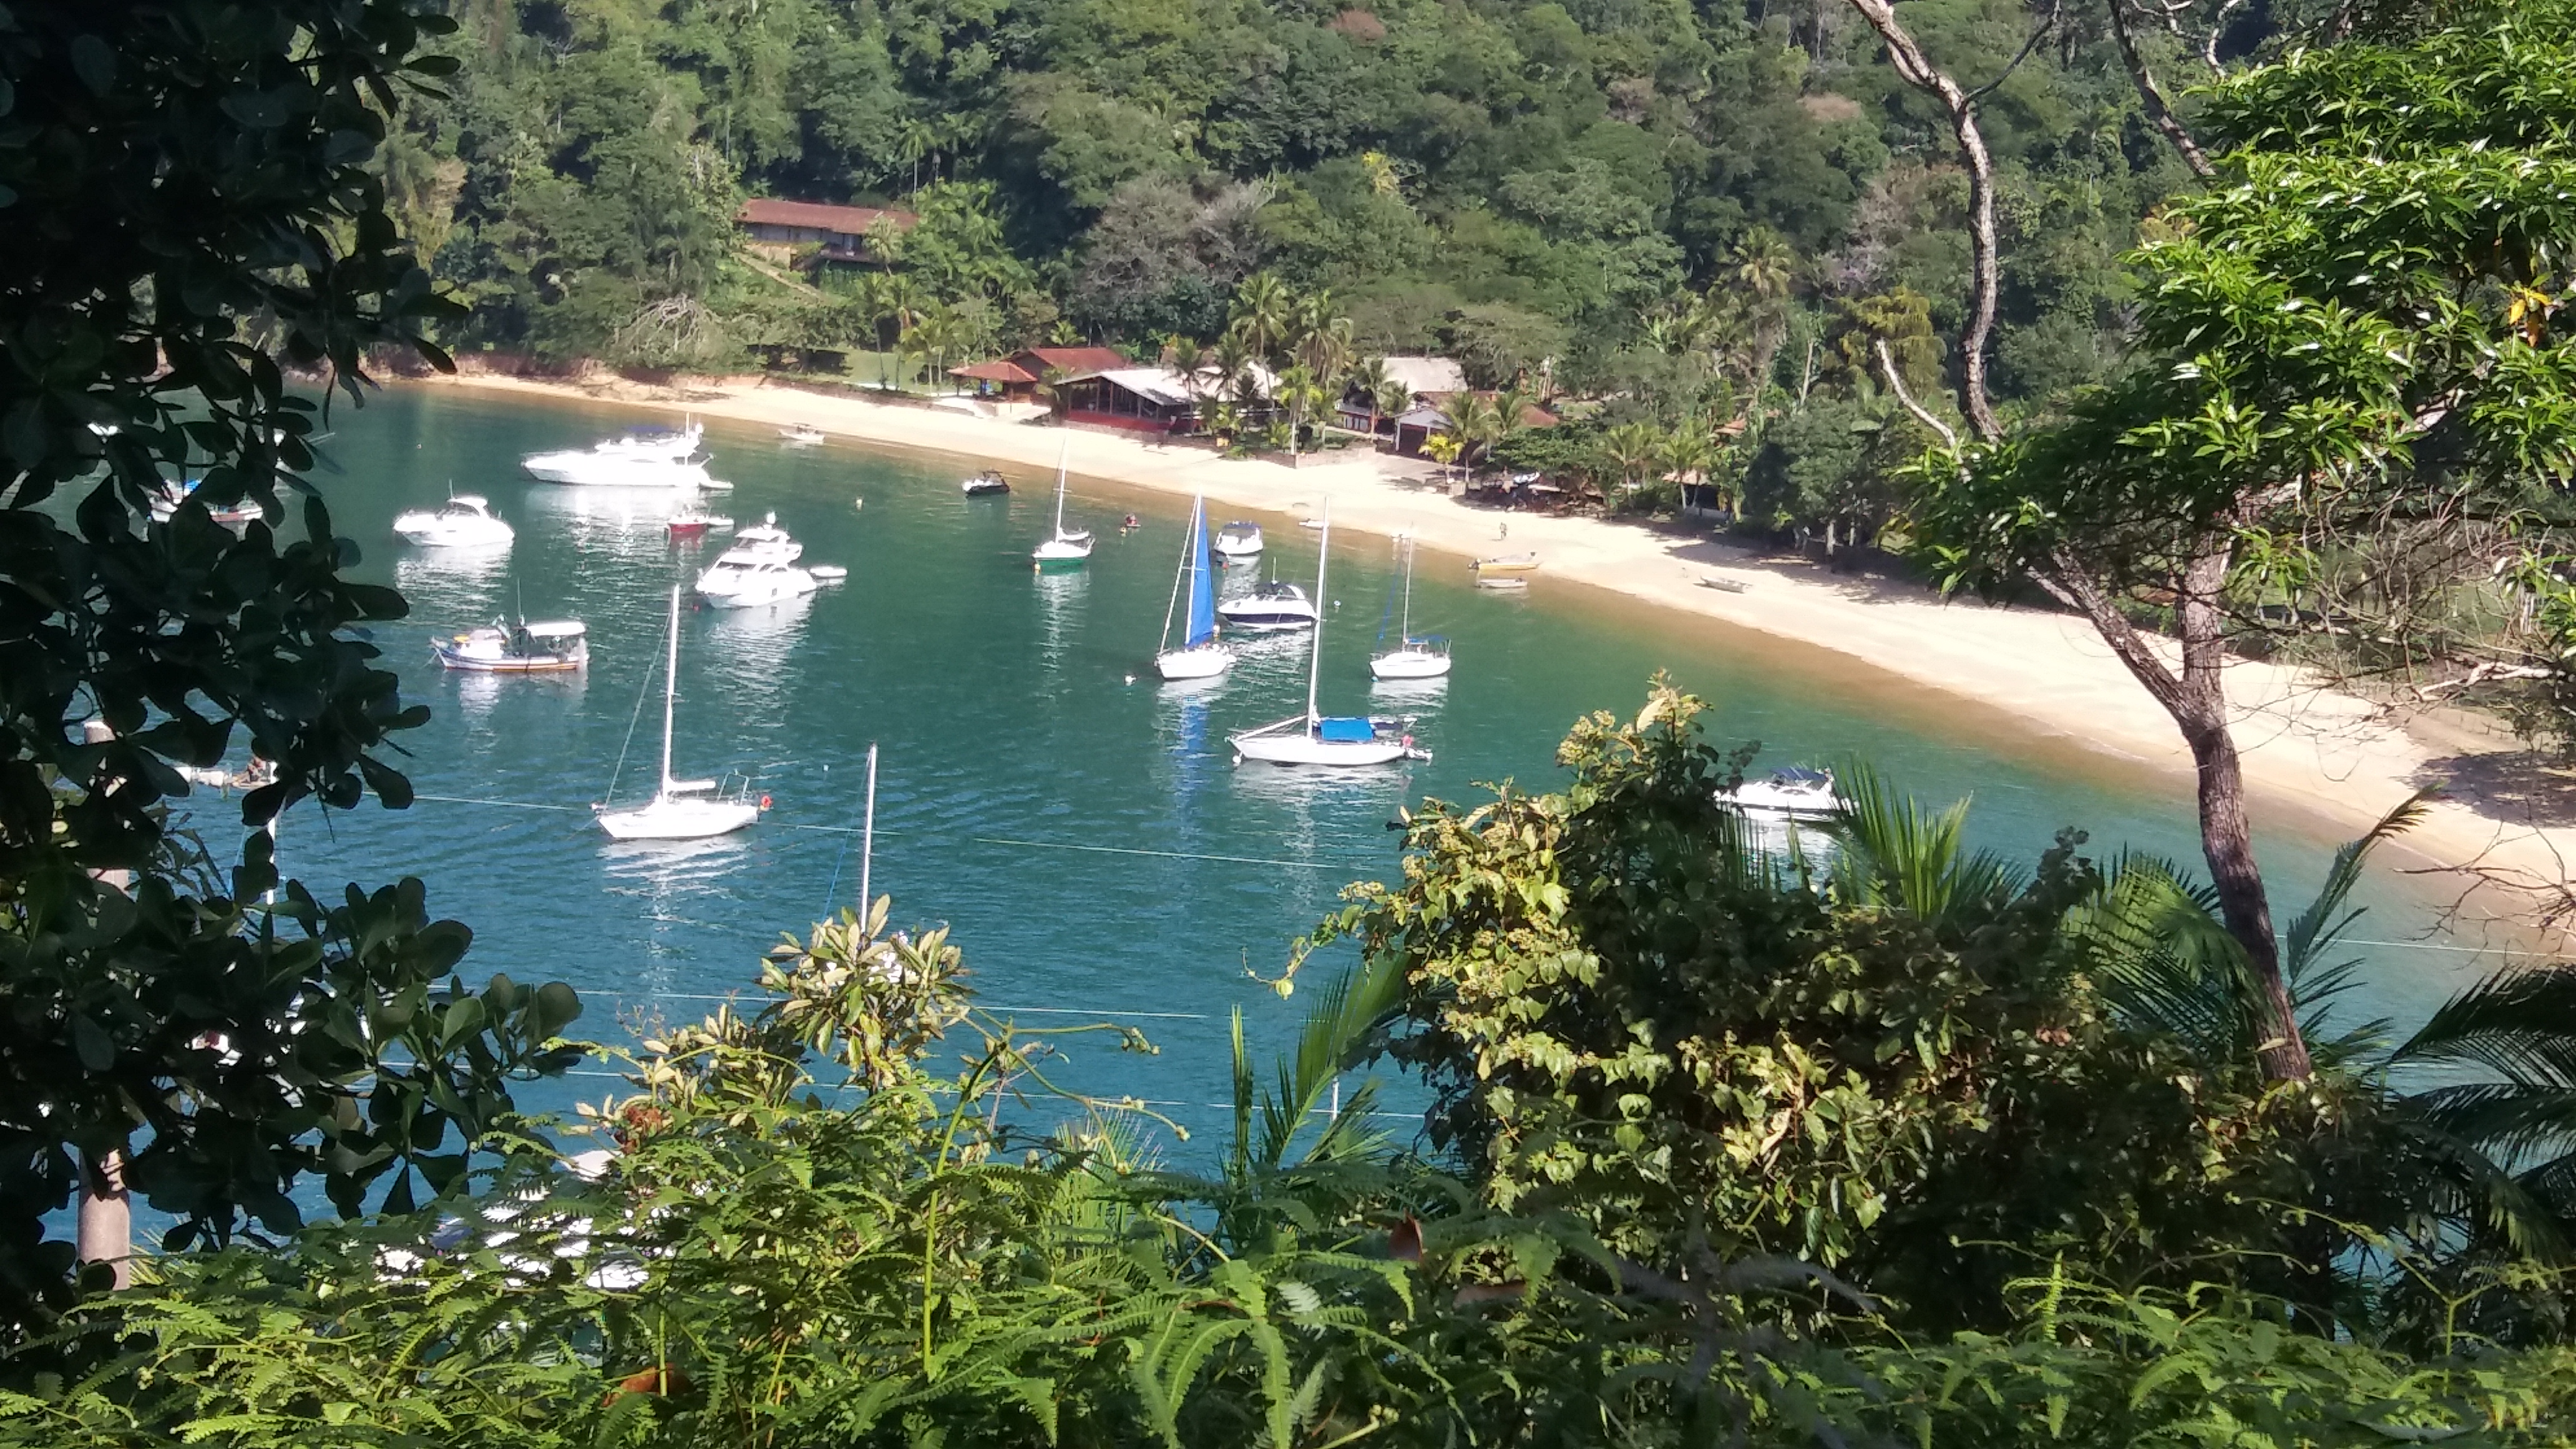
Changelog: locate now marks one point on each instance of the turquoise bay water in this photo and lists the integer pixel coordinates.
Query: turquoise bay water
(1077, 823)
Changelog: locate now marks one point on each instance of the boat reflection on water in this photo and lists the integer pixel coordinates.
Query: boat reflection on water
(1061, 594)
(452, 582)
(667, 877)
(626, 523)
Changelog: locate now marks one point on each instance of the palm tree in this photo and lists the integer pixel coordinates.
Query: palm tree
(1392, 397)
(1762, 266)
(1368, 378)
(1444, 449)
(1299, 392)
(1051, 387)
(1473, 418)
(1262, 314)
(1230, 367)
(1632, 448)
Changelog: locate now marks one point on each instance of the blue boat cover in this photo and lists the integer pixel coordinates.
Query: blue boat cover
(1345, 730)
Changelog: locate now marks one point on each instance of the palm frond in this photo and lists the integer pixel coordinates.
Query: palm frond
(1895, 852)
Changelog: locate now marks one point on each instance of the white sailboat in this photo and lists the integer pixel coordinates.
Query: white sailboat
(1200, 655)
(680, 809)
(1312, 738)
(1413, 658)
(1062, 549)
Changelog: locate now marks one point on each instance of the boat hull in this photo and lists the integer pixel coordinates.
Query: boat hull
(470, 664)
(1410, 664)
(754, 597)
(1305, 749)
(582, 470)
(672, 818)
(1205, 662)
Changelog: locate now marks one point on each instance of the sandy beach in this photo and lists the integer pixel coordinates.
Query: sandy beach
(2336, 760)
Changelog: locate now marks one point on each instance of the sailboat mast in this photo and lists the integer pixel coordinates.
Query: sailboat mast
(1064, 451)
(1407, 641)
(1315, 661)
(1174, 606)
(670, 687)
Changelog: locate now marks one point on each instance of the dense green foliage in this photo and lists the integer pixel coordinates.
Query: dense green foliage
(1523, 183)
(186, 202)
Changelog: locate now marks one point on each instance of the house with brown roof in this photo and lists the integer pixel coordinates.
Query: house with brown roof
(1416, 427)
(839, 233)
(1015, 378)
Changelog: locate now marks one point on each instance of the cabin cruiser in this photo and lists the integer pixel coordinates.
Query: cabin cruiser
(464, 521)
(639, 460)
(1797, 792)
(802, 435)
(550, 646)
(985, 485)
(1239, 540)
(760, 568)
(1272, 606)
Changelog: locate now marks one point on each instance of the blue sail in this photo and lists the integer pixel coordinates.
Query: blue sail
(1202, 615)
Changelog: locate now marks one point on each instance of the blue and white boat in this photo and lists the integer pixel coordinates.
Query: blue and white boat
(1199, 656)
(1313, 738)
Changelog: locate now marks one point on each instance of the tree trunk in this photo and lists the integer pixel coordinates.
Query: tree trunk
(2151, 95)
(2196, 698)
(1917, 70)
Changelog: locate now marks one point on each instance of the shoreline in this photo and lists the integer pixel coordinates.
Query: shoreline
(2334, 758)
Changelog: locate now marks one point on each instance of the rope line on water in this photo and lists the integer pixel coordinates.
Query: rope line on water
(995, 1010)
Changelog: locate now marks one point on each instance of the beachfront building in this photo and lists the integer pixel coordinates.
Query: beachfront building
(1015, 378)
(1415, 428)
(816, 232)
(1422, 378)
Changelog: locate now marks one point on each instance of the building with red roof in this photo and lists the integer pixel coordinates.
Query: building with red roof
(839, 232)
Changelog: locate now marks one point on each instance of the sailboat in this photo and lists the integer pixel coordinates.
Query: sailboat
(1413, 658)
(1200, 655)
(1063, 549)
(681, 809)
(1312, 738)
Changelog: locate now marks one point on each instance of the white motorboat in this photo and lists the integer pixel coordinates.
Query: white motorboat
(1425, 658)
(760, 568)
(1239, 540)
(165, 504)
(1065, 548)
(680, 809)
(639, 460)
(1199, 656)
(549, 646)
(802, 435)
(1491, 571)
(986, 484)
(1272, 607)
(464, 521)
(1798, 793)
(1314, 739)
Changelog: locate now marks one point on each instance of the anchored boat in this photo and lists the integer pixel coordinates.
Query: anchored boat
(549, 646)
(680, 809)
(1200, 656)
(1412, 658)
(1312, 738)
(639, 460)
(1065, 548)
(464, 521)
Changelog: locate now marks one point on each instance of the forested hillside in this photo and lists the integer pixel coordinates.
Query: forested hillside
(1527, 185)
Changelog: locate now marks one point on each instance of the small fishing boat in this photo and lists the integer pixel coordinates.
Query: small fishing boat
(986, 484)
(1505, 566)
(1412, 658)
(464, 521)
(802, 435)
(550, 646)
(1797, 792)
(1508, 583)
(1065, 548)
(1313, 738)
(639, 460)
(1272, 607)
(1239, 540)
(680, 809)
(1722, 585)
(696, 522)
(165, 504)
(1199, 656)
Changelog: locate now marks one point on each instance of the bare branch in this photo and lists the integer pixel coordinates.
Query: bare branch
(2038, 33)
(1918, 71)
(2209, 42)
(2152, 96)
(1896, 384)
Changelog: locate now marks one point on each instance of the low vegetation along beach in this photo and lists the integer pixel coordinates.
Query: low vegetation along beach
(2342, 760)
